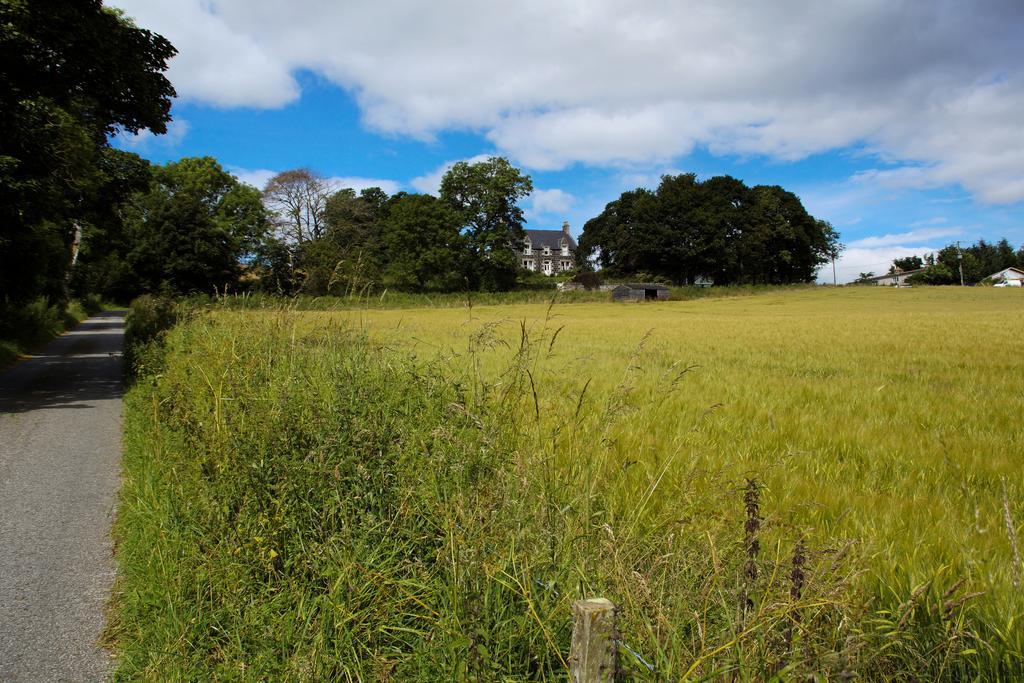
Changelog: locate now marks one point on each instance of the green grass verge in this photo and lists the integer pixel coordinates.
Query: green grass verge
(25, 328)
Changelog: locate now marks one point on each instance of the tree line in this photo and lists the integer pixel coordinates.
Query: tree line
(329, 241)
(718, 229)
(979, 261)
(71, 75)
(78, 216)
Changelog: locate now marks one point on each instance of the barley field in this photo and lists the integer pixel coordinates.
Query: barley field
(819, 481)
(890, 416)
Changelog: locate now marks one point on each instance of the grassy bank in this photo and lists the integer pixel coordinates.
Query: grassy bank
(420, 495)
(28, 327)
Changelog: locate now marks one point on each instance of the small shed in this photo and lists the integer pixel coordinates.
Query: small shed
(640, 291)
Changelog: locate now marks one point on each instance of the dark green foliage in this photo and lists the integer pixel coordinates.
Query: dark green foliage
(979, 261)
(589, 279)
(71, 73)
(938, 274)
(906, 263)
(148, 320)
(274, 261)
(27, 327)
(486, 195)
(424, 249)
(190, 230)
(718, 228)
(102, 259)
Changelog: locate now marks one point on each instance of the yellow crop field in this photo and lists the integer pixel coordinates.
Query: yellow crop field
(892, 418)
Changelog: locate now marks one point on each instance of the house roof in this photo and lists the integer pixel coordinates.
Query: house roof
(1005, 271)
(549, 238)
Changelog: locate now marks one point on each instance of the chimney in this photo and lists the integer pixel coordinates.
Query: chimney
(565, 227)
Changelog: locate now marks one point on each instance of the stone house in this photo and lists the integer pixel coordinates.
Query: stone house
(548, 251)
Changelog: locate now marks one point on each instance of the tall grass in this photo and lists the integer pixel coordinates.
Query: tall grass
(420, 495)
(24, 328)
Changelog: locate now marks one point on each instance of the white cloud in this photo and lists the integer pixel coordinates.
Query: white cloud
(430, 183)
(932, 85)
(145, 140)
(357, 183)
(911, 237)
(553, 201)
(258, 178)
(217, 62)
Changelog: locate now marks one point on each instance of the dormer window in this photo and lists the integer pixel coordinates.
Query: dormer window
(527, 247)
(565, 247)
(547, 250)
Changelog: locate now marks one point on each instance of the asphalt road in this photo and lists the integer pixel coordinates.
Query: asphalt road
(60, 449)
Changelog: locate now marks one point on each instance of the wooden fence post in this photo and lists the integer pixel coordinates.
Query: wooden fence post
(594, 655)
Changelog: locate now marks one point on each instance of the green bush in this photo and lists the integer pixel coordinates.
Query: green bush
(148, 320)
(27, 327)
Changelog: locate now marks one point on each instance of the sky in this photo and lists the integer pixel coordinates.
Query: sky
(900, 122)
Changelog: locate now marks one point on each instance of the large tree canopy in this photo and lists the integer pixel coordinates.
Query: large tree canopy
(71, 74)
(424, 248)
(719, 228)
(486, 196)
(191, 230)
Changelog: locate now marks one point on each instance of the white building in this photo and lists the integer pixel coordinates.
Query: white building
(1008, 277)
(894, 279)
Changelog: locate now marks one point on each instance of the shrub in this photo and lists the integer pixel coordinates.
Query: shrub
(149, 318)
(589, 279)
(32, 324)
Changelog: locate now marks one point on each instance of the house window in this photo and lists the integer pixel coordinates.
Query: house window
(528, 263)
(547, 267)
(547, 250)
(565, 247)
(527, 247)
(566, 265)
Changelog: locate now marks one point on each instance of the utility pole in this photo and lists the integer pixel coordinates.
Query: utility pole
(960, 262)
(835, 283)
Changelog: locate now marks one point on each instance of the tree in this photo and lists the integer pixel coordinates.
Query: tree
(906, 263)
(71, 74)
(102, 266)
(425, 249)
(937, 274)
(298, 200)
(348, 254)
(621, 238)
(486, 195)
(190, 231)
(717, 228)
